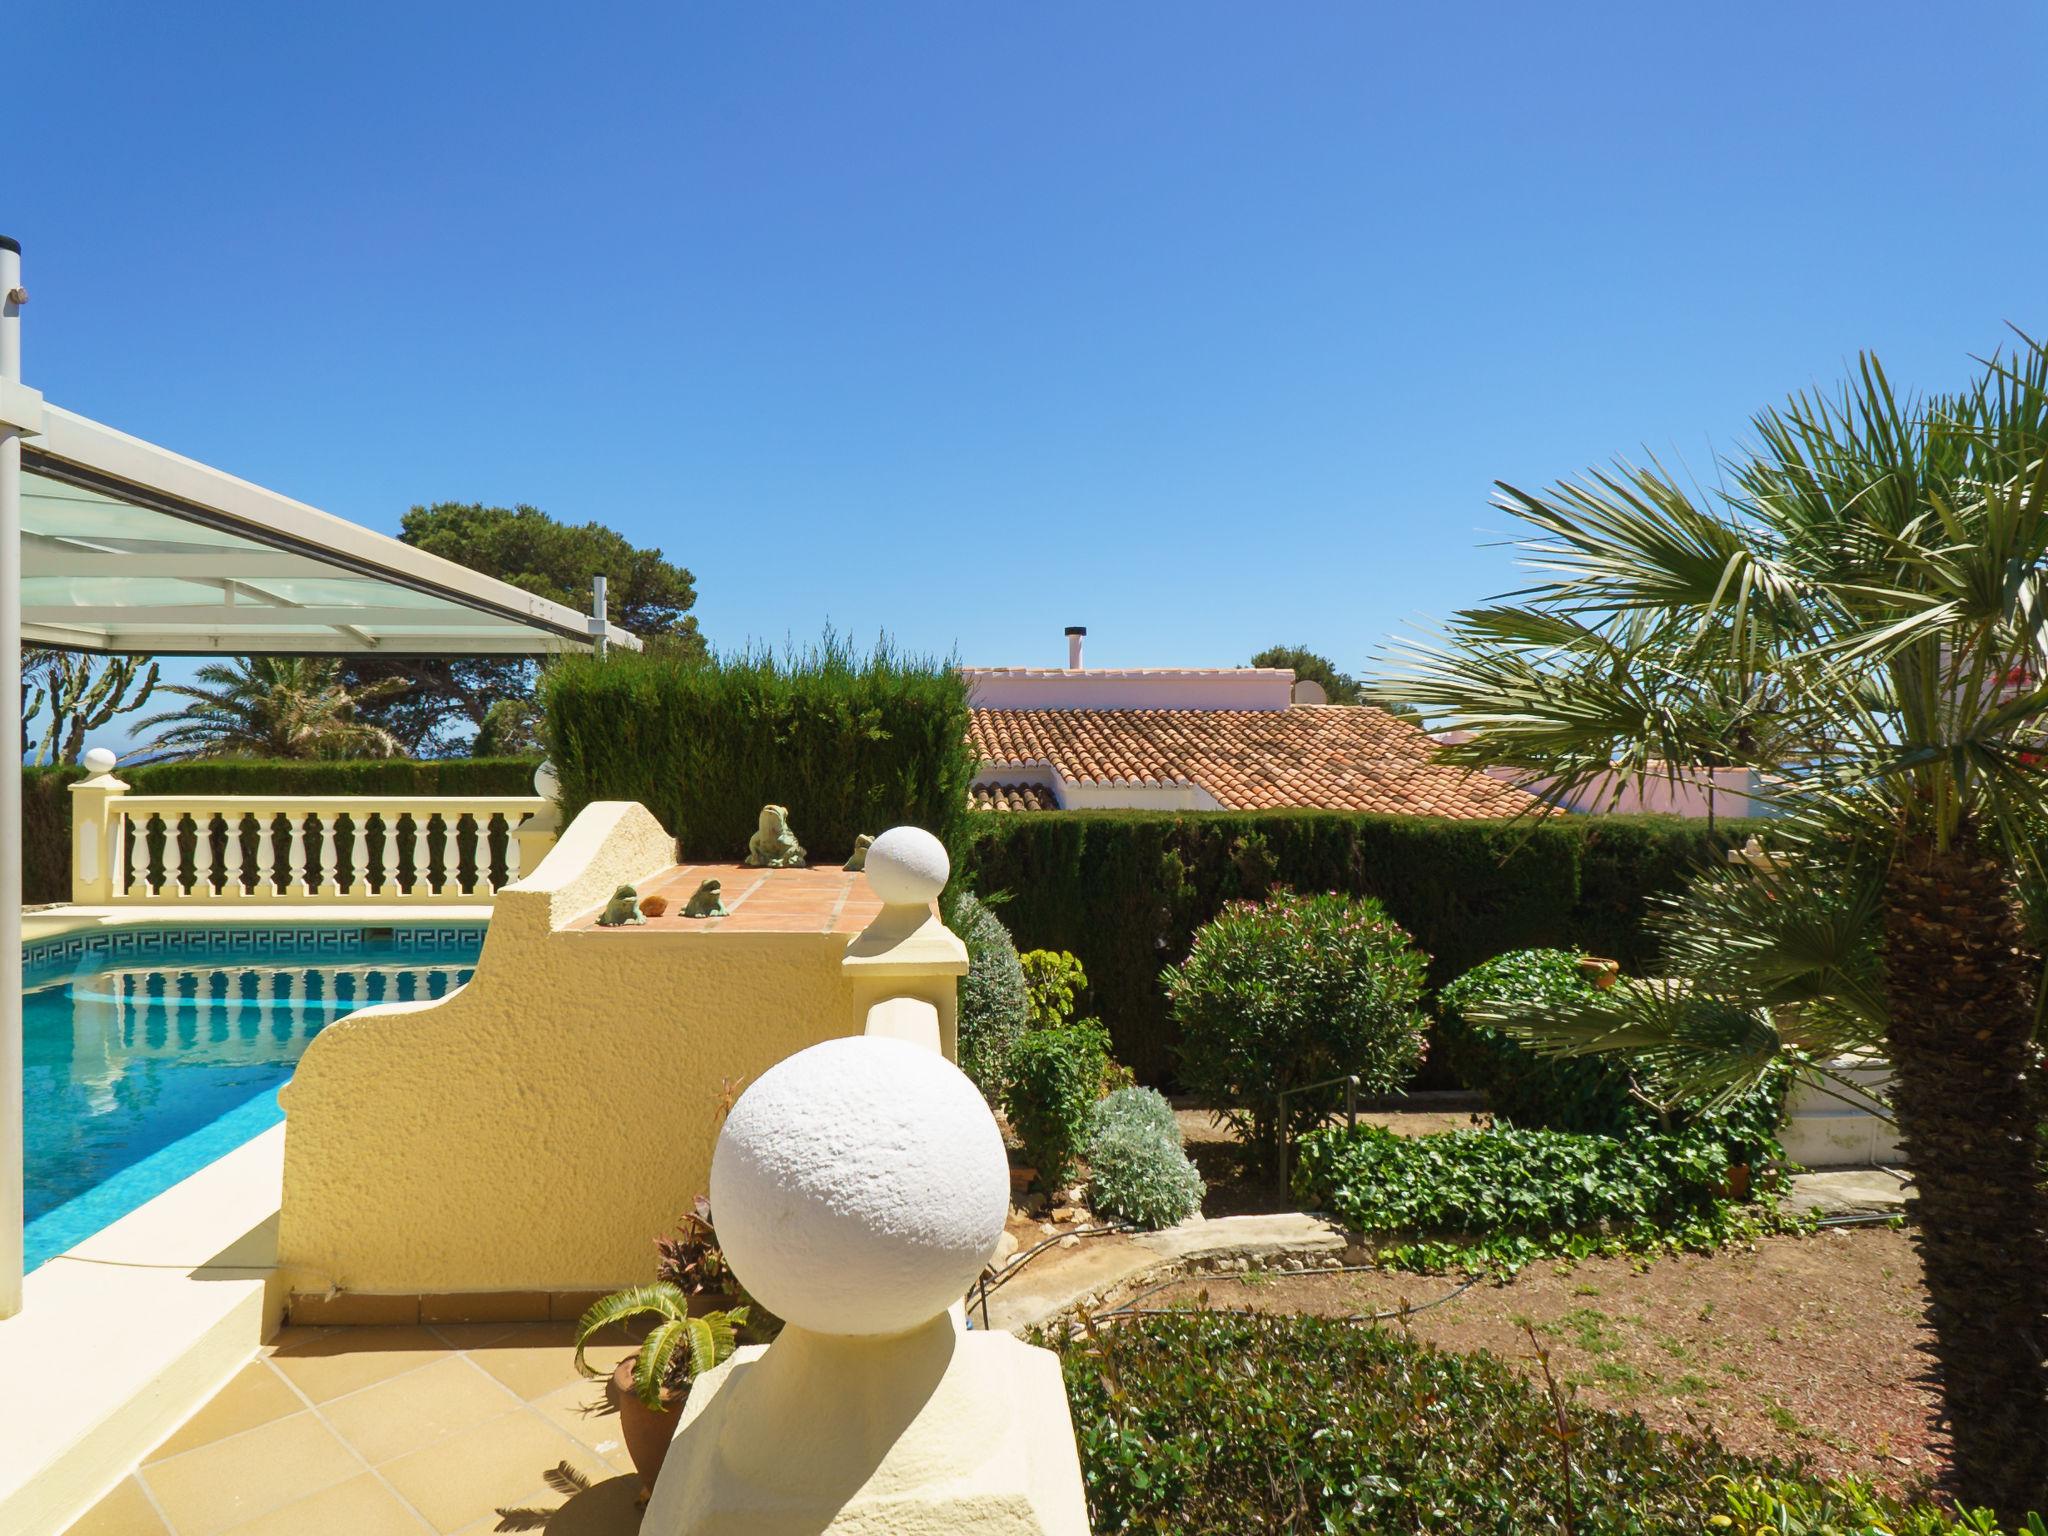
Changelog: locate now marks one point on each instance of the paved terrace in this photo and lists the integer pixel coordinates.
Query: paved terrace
(826, 900)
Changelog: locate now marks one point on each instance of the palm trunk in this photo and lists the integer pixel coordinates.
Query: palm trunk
(1967, 1094)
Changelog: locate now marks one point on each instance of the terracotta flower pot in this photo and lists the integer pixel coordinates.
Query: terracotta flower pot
(1738, 1181)
(647, 1431)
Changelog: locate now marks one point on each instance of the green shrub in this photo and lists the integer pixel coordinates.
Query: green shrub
(1136, 1175)
(1136, 1168)
(849, 743)
(1056, 1075)
(1204, 1424)
(1125, 891)
(1053, 982)
(1584, 1093)
(1782, 1506)
(1135, 1108)
(1289, 992)
(1502, 1197)
(1589, 1094)
(994, 1007)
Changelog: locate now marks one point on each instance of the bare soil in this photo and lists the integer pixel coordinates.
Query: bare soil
(1808, 1348)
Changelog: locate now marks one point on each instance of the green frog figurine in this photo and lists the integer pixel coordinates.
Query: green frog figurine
(858, 859)
(774, 846)
(622, 911)
(708, 901)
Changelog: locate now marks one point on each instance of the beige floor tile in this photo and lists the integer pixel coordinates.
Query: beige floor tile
(326, 1364)
(570, 1408)
(362, 1506)
(255, 1395)
(537, 1360)
(410, 1412)
(124, 1512)
(469, 1474)
(474, 1335)
(233, 1481)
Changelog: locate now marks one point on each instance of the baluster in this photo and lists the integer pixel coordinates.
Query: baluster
(482, 886)
(359, 852)
(138, 857)
(328, 825)
(422, 869)
(514, 821)
(295, 858)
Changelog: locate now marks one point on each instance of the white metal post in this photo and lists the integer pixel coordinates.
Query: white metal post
(10, 794)
(597, 612)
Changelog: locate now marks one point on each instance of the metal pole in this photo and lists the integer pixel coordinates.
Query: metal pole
(597, 612)
(11, 1108)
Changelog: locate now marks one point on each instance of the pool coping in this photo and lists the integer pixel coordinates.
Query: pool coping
(124, 1336)
(55, 922)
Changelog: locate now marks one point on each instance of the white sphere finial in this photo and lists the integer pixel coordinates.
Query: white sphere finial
(546, 783)
(99, 760)
(908, 867)
(859, 1186)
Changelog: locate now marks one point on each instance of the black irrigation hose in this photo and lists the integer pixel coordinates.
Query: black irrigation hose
(989, 1283)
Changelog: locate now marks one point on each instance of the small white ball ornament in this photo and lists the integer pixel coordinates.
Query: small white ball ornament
(100, 760)
(908, 867)
(859, 1186)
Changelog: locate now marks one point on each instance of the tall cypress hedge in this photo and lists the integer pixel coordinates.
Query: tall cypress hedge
(1126, 890)
(849, 743)
(46, 799)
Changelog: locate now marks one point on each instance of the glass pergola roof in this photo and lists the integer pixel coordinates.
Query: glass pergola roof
(126, 547)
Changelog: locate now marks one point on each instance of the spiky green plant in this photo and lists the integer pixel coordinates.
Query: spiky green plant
(677, 1350)
(274, 707)
(1859, 611)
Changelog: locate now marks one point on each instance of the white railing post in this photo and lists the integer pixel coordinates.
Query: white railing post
(96, 864)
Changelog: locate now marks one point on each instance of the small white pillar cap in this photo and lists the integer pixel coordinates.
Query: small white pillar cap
(100, 760)
(859, 1186)
(907, 867)
(546, 783)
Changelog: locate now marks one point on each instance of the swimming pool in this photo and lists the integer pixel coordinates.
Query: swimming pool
(150, 1051)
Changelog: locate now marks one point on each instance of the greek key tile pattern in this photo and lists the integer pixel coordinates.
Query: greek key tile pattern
(96, 946)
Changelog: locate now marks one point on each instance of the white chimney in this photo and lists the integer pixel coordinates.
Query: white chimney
(1075, 634)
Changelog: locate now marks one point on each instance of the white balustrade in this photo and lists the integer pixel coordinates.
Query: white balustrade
(216, 850)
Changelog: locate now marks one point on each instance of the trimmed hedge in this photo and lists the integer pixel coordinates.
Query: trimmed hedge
(46, 798)
(1211, 1424)
(849, 744)
(1126, 890)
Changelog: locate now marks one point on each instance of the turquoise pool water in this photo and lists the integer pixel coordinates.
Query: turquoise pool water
(150, 1052)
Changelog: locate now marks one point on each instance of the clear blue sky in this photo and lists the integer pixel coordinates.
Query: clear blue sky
(1208, 326)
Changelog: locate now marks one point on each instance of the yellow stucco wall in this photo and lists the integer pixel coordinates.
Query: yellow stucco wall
(535, 1130)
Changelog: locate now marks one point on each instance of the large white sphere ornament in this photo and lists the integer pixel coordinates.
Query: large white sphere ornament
(907, 867)
(99, 760)
(859, 1186)
(546, 782)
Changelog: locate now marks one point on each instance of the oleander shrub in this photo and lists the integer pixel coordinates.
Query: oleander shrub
(1056, 1075)
(1053, 984)
(1500, 1198)
(994, 1005)
(1137, 1168)
(1593, 1095)
(850, 743)
(1207, 1424)
(1282, 994)
(1126, 891)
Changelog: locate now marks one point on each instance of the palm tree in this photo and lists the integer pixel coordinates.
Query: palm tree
(272, 706)
(1860, 611)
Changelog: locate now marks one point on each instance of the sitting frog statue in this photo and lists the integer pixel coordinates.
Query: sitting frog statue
(623, 910)
(774, 846)
(858, 859)
(708, 901)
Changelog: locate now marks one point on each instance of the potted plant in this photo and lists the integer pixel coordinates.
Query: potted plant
(650, 1384)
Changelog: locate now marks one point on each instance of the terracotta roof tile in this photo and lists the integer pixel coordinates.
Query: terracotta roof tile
(1325, 757)
(1011, 797)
